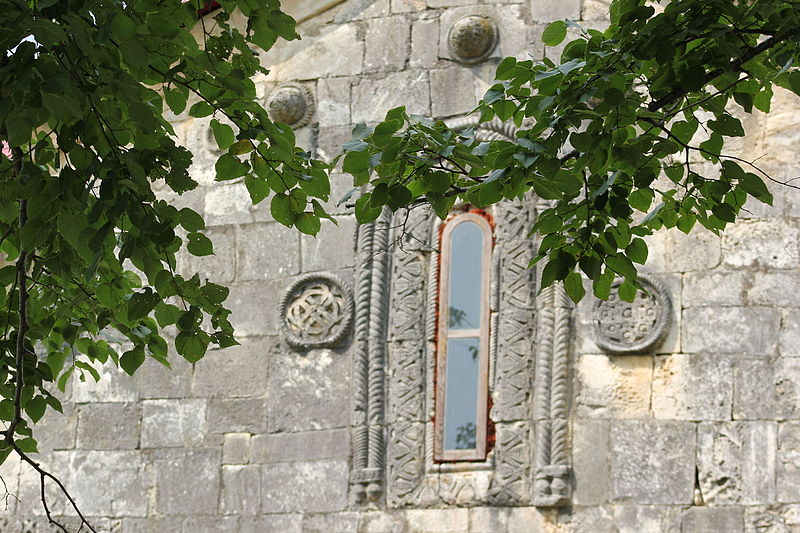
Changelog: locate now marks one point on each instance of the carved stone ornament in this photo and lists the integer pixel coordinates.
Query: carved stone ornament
(621, 327)
(292, 104)
(316, 312)
(472, 39)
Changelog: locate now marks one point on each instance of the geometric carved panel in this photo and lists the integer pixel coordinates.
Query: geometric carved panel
(315, 311)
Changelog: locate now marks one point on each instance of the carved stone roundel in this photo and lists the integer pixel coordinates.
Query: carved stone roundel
(472, 39)
(316, 312)
(633, 327)
(292, 104)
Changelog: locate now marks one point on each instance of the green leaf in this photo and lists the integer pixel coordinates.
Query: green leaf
(573, 284)
(191, 220)
(308, 223)
(131, 360)
(199, 245)
(727, 125)
(141, 303)
(28, 445)
(223, 134)
(554, 33)
(35, 408)
(281, 209)
(192, 345)
(229, 167)
(637, 251)
(626, 291)
(257, 188)
(755, 187)
(356, 162)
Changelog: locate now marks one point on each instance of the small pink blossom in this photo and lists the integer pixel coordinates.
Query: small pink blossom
(6, 151)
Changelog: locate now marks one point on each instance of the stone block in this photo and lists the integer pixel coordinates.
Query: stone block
(332, 248)
(211, 524)
(386, 44)
(319, 381)
(762, 243)
(618, 386)
(114, 386)
(241, 490)
(333, 101)
(530, 520)
(550, 11)
(448, 3)
(731, 330)
(594, 519)
(105, 483)
(314, 487)
(330, 522)
(700, 250)
(235, 372)
(408, 6)
(437, 520)
(152, 524)
(692, 387)
(282, 523)
(767, 389)
(267, 251)
(373, 97)
(488, 520)
(188, 481)
(424, 43)
(595, 9)
(173, 423)
(640, 519)
(108, 426)
(220, 267)
(790, 334)
(788, 461)
(452, 92)
(303, 446)
(713, 520)
(775, 288)
(337, 51)
(362, 9)
(329, 145)
(154, 380)
(736, 462)
(236, 449)
(237, 415)
(652, 462)
(590, 461)
(227, 203)
(382, 522)
(255, 307)
(715, 288)
(57, 431)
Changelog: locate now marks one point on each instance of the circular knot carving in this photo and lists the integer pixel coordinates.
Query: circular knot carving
(633, 327)
(472, 38)
(316, 311)
(292, 104)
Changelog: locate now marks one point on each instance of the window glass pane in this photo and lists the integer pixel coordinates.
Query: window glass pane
(466, 261)
(461, 394)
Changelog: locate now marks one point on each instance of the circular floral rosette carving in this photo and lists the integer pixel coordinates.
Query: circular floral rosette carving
(292, 104)
(316, 312)
(622, 327)
(472, 38)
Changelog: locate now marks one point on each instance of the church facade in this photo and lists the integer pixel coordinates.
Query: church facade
(408, 376)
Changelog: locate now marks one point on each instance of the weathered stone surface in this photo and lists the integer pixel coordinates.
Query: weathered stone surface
(324, 56)
(772, 519)
(713, 520)
(362, 9)
(550, 11)
(227, 203)
(652, 461)
(790, 333)
(788, 462)
(173, 423)
(640, 519)
(114, 386)
(488, 520)
(122, 491)
(255, 307)
(382, 522)
(372, 98)
(211, 524)
(317, 380)
(332, 248)
(594, 519)
(590, 461)
(154, 380)
(692, 387)
(330, 522)
(715, 288)
(406, 6)
(700, 250)
(530, 520)
(595, 9)
(319, 486)
(333, 101)
(386, 44)
(57, 431)
(767, 389)
(219, 267)
(267, 251)
(303, 446)
(775, 288)
(188, 481)
(438, 520)
(235, 372)
(733, 330)
(236, 448)
(241, 490)
(609, 386)
(736, 462)
(424, 43)
(108, 426)
(452, 92)
(282, 523)
(237, 415)
(152, 524)
(771, 243)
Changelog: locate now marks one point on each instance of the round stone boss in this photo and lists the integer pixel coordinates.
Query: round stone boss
(316, 311)
(622, 327)
(292, 104)
(472, 38)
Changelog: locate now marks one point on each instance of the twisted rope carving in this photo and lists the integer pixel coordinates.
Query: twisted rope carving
(363, 277)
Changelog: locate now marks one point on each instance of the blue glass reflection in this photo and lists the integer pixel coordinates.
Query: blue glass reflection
(461, 394)
(466, 262)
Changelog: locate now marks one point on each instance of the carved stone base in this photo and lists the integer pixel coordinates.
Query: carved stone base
(551, 486)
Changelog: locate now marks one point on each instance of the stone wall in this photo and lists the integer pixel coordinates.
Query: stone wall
(699, 433)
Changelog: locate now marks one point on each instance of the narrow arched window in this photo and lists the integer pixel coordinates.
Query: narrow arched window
(462, 344)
